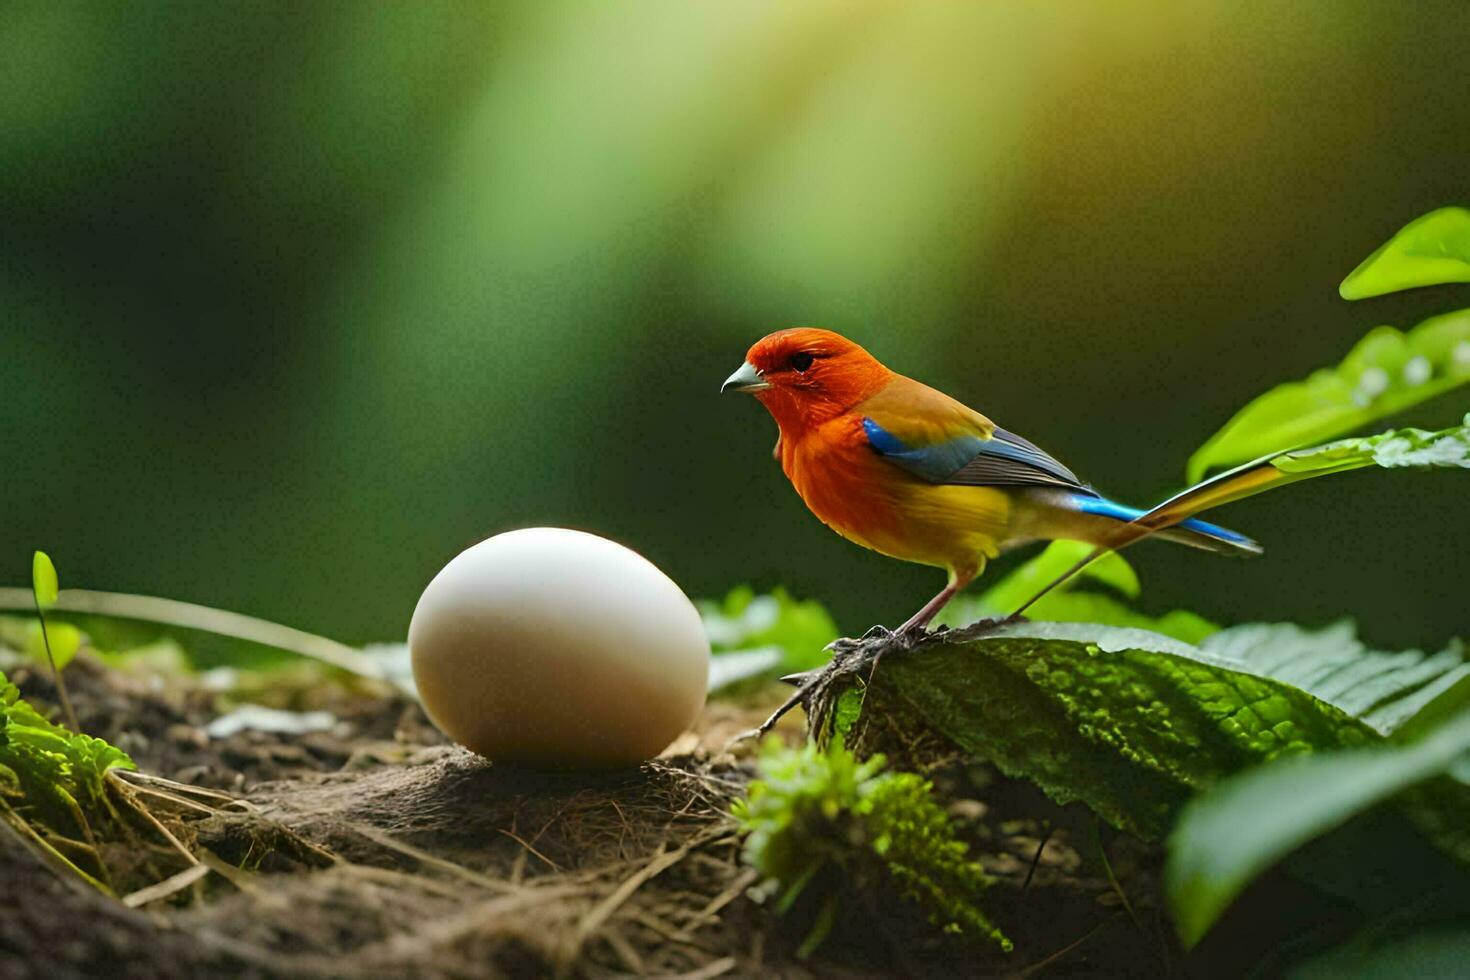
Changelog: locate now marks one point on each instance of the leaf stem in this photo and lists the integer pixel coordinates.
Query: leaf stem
(71, 715)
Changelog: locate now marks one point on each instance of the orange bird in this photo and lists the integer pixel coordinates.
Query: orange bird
(898, 467)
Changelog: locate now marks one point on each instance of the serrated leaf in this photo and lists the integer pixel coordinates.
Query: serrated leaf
(1129, 722)
(1385, 690)
(1385, 373)
(43, 580)
(1428, 251)
(1229, 836)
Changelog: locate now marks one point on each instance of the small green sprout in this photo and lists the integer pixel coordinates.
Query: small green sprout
(45, 589)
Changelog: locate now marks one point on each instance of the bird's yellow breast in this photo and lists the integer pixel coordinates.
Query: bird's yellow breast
(881, 507)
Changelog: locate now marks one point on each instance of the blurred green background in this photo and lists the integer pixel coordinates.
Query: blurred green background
(298, 300)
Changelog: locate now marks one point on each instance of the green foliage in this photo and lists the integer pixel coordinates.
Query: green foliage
(846, 711)
(1111, 570)
(1428, 251)
(61, 640)
(822, 818)
(48, 769)
(1399, 448)
(1288, 732)
(43, 580)
(1438, 953)
(24, 634)
(1390, 692)
(1385, 373)
(1068, 603)
(141, 652)
(1128, 722)
(44, 592)
(765, 635)
(1227, 837)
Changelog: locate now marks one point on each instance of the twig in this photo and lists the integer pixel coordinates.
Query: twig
(81, 819)
(1036, 859)
(425, 858)
(138, 779)
(14, 819)
(390, 876)
(736, 888)
(238, 877)
(1113, 879)
(665, 860)
(715, 968)
(123, 788)
(1040, 964)
(173, 798)
(172, 612)
(166, 887)
(549, 863)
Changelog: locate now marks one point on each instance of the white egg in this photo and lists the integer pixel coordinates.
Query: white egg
(556, 647)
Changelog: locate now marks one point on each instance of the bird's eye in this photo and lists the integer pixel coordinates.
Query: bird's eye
(801, 361)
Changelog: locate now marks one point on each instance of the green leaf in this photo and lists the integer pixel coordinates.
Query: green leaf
(745, 621)
(1397, 448)
(51, 769)
(1441, 952)
(1129, 722)
(1229, 836)
(1428, 251)
(1385, 373)
(736, 666)
(65, 639)
(43, 580)
(1387, 691)
(1111, 570)
(1066, 604)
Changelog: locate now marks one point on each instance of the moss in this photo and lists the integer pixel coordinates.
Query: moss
(823, 816)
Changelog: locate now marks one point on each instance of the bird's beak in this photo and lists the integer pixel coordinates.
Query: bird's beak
(745, 379)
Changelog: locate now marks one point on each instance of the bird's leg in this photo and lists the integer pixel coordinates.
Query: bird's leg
(921, 619)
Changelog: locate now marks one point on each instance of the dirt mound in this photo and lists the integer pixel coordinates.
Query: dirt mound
(374, 849)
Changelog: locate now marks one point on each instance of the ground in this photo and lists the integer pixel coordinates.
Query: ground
(376, 849)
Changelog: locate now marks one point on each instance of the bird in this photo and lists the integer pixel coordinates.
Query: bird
(905, 470)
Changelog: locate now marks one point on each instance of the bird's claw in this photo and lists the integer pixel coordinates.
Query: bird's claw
(801, 677)
(736, 739)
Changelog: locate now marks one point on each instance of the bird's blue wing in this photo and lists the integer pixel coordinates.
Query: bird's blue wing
(1004, 459)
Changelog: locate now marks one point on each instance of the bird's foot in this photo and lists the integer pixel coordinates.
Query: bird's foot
(861, 656)
(849, 656)
(910, 632)
(981, 627)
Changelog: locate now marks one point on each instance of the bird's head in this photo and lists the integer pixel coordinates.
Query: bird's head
(805, 375)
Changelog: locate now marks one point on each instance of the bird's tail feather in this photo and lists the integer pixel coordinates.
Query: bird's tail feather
(1237, 484)
(1190, 531)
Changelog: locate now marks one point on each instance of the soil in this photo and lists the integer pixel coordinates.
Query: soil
(375, 849)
